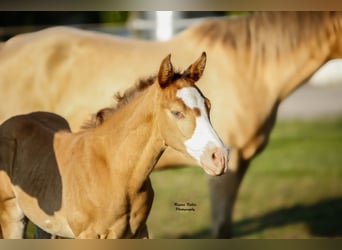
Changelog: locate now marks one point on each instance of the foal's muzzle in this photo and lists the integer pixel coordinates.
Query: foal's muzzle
(215, 160)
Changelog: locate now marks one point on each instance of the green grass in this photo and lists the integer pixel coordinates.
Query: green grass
(292, 190)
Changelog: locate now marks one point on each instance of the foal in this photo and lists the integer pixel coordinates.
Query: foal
(95, 183)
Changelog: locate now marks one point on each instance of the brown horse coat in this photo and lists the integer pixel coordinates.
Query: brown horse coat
(95, 183)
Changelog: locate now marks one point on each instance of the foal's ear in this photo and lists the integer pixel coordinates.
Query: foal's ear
(165, 72)
(196, 69)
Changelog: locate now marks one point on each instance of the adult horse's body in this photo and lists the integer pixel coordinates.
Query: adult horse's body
(95, 183)
(255, 62)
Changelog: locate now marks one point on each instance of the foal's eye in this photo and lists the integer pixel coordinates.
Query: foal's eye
(177, 114)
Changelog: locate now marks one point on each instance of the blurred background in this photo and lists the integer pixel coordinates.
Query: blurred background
(292, 190)
(143, 24)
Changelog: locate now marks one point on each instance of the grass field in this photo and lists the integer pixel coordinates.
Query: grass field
(292, 190)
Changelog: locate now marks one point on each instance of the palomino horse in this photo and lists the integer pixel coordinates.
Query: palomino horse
(255, 62)
(95, 183)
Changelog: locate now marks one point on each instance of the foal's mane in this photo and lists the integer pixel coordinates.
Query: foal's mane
(266, 33)
(120, 100)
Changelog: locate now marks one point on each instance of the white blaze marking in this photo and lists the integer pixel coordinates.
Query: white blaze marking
(204, 132)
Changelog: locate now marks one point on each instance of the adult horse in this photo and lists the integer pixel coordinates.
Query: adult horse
(255, 62)
(95, 183)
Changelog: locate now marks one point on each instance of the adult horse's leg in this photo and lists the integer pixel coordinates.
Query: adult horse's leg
(41, 234)
(223, 191)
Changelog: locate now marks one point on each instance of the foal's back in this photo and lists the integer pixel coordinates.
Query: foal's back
(23, 125)
(36, 130)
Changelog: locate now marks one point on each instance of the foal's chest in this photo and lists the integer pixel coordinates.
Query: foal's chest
(122, 214)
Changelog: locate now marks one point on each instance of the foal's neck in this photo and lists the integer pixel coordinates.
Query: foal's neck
(132, 137)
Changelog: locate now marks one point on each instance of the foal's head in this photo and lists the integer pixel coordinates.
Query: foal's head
(184, 116)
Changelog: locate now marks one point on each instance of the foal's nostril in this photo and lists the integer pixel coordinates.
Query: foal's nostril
(217, 158)
(214, 160)
(213, 156)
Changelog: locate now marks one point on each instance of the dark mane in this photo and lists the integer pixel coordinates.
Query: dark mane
(120, 100)
(130, 93)
(267, 33)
